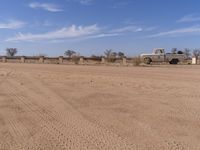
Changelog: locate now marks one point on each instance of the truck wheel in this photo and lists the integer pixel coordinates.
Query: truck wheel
(174, 61)
(147, 60)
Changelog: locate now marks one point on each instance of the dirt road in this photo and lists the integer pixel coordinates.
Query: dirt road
(55, 107)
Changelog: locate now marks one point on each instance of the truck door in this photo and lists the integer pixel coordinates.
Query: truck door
(162, 55)
(159, 56)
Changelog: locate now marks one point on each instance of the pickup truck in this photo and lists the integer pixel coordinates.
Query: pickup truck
(159, 55)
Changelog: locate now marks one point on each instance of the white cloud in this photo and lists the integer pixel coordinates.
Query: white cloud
(64, 33)
(128, 29)
(133, 28)
(178, 32)
(102, 35)
(95, 36)
(46, 6)
(190, 18)
(78, 33)
(12, 24)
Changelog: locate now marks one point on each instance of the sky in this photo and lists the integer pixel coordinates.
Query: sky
(90, 27)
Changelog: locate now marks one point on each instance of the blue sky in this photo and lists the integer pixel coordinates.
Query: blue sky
(91, 26)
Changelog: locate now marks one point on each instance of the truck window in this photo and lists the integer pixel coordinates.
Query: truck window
(158, 51)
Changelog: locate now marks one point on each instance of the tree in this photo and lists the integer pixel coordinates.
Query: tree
(113, 54)
(121, 54)
(11, 52)
(196, 53)
(70, 53)
(96, 56)
(174, 50)
(108, 53)
(187, 53)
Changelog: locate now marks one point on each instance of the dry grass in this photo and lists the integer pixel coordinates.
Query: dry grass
(136, 61)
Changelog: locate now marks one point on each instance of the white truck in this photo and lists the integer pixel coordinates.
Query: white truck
(159, 55)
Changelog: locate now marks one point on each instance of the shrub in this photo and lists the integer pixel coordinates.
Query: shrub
(75, 59)
(137, 61)
(111, 59)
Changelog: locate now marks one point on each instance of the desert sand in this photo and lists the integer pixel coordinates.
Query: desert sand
(61, 107)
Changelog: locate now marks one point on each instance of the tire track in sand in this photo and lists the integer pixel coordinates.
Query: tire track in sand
(60, 125)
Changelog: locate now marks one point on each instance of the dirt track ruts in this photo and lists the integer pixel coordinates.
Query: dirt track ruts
(79, 107)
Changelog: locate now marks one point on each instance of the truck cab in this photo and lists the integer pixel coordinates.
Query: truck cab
(159, 51)
(158, 55)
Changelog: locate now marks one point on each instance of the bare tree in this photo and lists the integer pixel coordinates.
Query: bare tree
(113, 54)
(70, 53)
(174, 50)
(95, 57)
(121, 54)
(187, 53)
(11, 52)
(108, 53)
(196, 53)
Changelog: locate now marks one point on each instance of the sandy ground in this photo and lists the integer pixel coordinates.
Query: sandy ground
(58, 107)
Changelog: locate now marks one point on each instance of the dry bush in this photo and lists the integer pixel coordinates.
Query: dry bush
(111, 59)
(137, 61)
(75, 59)
(110, 55)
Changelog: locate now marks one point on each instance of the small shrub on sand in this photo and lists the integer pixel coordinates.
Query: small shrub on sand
(75, 59)
(110, 55)
(136, 61)
(111, 59)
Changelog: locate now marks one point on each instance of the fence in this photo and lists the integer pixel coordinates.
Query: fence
(78, 60)
(65, 60)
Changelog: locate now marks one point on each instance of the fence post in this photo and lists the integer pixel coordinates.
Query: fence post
(4, 60)
(194, 60)
(81, 61)
(41, 59)
(102, 60)
(22, 59)
(124, 62)
(60, 59)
